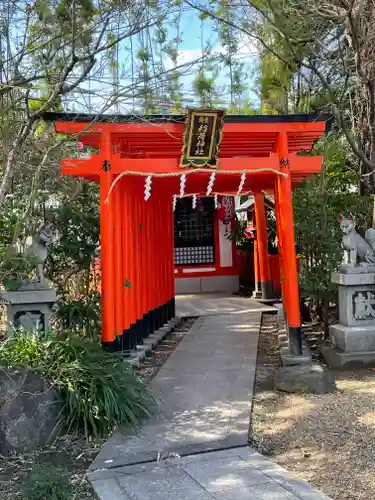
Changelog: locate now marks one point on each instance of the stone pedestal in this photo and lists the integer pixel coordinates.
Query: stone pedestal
(29, 308)
(353, 339)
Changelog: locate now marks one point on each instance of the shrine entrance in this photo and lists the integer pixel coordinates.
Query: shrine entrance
(150, 235)
(194, 232)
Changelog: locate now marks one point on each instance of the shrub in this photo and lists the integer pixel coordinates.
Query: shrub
(99, 389)
(81, 316)
(47, 483)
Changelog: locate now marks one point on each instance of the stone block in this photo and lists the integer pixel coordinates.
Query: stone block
(213, 284)
(30, 309)
(224, 474)
(341, 360)
(353, 279)
(29, 412)
(270, 490)
(356, 298)
(353, 338)
(289, 359)
(186, 286)
(108, 489)
(352, 341)
(162, 484)
(304, 379)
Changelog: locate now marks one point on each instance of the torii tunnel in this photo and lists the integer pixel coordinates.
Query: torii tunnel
(137, 154)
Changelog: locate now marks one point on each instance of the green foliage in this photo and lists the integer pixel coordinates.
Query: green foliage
(47, 482)
(70, 259)
(82, 315)
(237, 236)
(14, 269)
(317, 205)
(204, 86)
(36, 104)
(99, 390)
(243, 243)
(236, 73)
(275, 73)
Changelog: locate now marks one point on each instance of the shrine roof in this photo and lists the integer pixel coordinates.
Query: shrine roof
(133, 118)
(161, 136)
(152, 145)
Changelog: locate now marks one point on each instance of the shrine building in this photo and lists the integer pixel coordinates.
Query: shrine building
(167, 190)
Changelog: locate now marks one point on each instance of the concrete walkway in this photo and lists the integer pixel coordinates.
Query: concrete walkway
(210, 304)
(205, 391)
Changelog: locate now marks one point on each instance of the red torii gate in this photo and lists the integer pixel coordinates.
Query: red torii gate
(137, 240)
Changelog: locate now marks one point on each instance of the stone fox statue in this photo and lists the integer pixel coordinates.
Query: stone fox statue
(356, 249)
(38, 249)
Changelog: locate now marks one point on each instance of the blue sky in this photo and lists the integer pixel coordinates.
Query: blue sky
(193, 35)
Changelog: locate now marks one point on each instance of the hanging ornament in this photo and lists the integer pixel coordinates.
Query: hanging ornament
(226, 209)
(182, 184)
(174, 203)
(194, 202)
(148, 187)
(242, 182)
(215, 201)
(211, 183)
(249, 232)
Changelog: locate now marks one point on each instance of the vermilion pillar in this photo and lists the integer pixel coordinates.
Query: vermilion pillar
(118, 257)
(148, 265)
(286, 228)
(257, 292)
(280, 249)
(265, 283)
(170, 226)
(126, 297)
(130, 281)
(137, 290)
(106, 244)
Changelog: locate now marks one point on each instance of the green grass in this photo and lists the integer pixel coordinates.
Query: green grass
(47, 483)
(99, 390)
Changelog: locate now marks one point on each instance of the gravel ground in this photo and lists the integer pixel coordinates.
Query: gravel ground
(151, 365)
(74, 454)
(327, 440)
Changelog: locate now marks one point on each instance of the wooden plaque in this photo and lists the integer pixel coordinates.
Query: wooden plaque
(202, 138)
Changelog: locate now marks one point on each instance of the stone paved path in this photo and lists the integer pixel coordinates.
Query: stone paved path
(210, 304)
(205, 391)
(235, 474)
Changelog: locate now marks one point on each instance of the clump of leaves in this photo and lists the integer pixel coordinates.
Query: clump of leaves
(47, 483)
(15, 269)
(81, 316)
(99, 390)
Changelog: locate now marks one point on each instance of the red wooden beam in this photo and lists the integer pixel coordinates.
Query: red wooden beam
(93, 166)
(72, 128)
(299, 165)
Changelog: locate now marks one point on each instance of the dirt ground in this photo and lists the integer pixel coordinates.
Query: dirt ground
(327, 440)
(74, 454)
